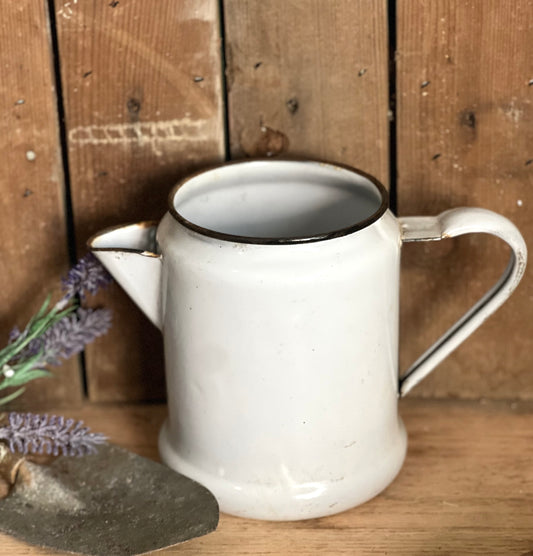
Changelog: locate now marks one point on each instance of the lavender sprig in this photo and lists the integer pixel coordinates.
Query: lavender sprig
(39, 434)
(56, 333)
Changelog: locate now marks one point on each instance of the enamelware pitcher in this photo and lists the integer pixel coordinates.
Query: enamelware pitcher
(276, 286)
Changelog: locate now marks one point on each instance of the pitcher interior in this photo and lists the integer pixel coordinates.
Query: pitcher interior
(278, 200)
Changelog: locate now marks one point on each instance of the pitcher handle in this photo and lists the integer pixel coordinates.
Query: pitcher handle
(452, 223)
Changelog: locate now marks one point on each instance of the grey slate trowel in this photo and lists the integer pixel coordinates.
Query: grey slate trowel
(110, 503)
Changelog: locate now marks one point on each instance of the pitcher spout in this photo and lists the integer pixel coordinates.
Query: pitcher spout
(130, 254)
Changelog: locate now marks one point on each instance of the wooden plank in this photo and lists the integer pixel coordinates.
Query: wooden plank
(464, 89)
(309, 78)
(143, 103)
(466, 488)
(33, 254)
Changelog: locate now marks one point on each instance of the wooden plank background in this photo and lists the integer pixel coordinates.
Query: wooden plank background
(33, 252)
(465, 137)
(144, 102)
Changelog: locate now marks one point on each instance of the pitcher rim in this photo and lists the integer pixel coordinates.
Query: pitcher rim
(290, 240)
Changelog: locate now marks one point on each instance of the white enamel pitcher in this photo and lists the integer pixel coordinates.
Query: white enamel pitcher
(276, 285)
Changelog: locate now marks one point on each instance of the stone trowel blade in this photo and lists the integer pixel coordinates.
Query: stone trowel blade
(113, 502)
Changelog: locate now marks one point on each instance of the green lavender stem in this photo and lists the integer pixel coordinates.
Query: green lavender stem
(38, 324)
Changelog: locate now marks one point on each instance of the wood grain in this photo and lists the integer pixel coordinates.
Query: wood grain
(466, 488)
(33, 252)
(309, 78)
(143, 104)
(465, 115)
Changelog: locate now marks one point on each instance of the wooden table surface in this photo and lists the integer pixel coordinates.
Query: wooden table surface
(466, 488)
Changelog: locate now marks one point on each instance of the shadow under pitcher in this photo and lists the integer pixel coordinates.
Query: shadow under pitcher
(276, 286)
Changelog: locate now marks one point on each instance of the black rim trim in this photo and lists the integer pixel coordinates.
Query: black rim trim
(286, 240)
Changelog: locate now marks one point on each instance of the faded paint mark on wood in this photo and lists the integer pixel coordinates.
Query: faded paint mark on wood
(156, 135)
(66, 9)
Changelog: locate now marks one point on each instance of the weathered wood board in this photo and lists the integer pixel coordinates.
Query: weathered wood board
(33, 251)
(144, 106)
(309, 78)
(465, 136)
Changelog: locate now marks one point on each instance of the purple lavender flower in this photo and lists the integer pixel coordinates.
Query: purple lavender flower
(40, 434)
(14, 334)
(88, 275)
(69, 336)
